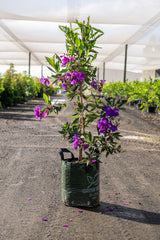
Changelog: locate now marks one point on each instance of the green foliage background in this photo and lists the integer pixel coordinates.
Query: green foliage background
(17, 88)
(146, 92)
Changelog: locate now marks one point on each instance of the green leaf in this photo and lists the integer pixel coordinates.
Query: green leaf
(51, 61)
(77, 42)
(45, 97)
(90, 136)
(59, 59)
(57, 67)
(98, 30)
(51, 69)
(75, 121)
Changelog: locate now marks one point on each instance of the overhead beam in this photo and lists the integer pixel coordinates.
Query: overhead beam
(138, 34)
(18, 41)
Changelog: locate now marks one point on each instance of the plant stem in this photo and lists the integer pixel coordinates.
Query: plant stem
(82, 124)
(81, 120)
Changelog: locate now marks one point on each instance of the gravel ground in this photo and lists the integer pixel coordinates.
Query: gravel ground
(31, 169)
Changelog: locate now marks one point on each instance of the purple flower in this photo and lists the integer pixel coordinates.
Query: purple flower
(85, 146)
(103, 125)
(81, 76)
(45, 81)
(111, 112)
(99, 89)
(77, 141)
(113, 128)
(111, 209)
(64, 86)
(75, 144)
(97, 86)
(77, 76)
(102, 82)
(65, 60)
(75, 137)
(74, 81)
(74, 77)
(94, 84)
(39, 114)
(116, 112)
(44, 219)
(68, 75)
(65, 225)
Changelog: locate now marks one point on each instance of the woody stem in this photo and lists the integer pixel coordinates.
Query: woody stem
(81, 120)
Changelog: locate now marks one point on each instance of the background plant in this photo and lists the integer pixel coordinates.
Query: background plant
(145, 92)
(17, 88)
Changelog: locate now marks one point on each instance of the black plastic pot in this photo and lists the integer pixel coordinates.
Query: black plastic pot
(151, 109)
(79, 182)
(131, 103)
(138, 106)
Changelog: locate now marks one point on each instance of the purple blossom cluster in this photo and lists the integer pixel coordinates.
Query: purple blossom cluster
(110, 112)
(77, 142)
(105, 125)
(45, 81)
(70, 79)
(66, 60)
(97, 86)
(39, 113)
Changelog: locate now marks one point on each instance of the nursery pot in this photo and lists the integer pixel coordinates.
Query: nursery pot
(151, 109)
(138, 106)
(131, 103)
(79, 181)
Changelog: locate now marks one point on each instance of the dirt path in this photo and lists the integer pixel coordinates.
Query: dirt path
(31, 169)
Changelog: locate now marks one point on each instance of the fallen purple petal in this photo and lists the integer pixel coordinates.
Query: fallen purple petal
(80, 210)
(125, 203)
(109, 196)
(65, 225)
(94, 161)
(29, 199)
(112, 201)
(111, 209)
(44, 219)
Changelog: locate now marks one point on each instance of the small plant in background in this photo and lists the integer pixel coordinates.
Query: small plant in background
(146, 92)
(17, 88)
(75, 73)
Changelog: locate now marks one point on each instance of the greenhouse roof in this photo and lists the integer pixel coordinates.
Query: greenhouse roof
(32, 26)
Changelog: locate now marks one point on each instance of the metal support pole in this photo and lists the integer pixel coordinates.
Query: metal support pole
(125, 63)
(98, 74)
(104, 71)
(41, 70)
(29, 64)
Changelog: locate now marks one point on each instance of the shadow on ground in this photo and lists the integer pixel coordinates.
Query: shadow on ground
(17, 117)
(127, 213)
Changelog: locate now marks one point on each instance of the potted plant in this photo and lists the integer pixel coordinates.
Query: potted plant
(75, 73)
